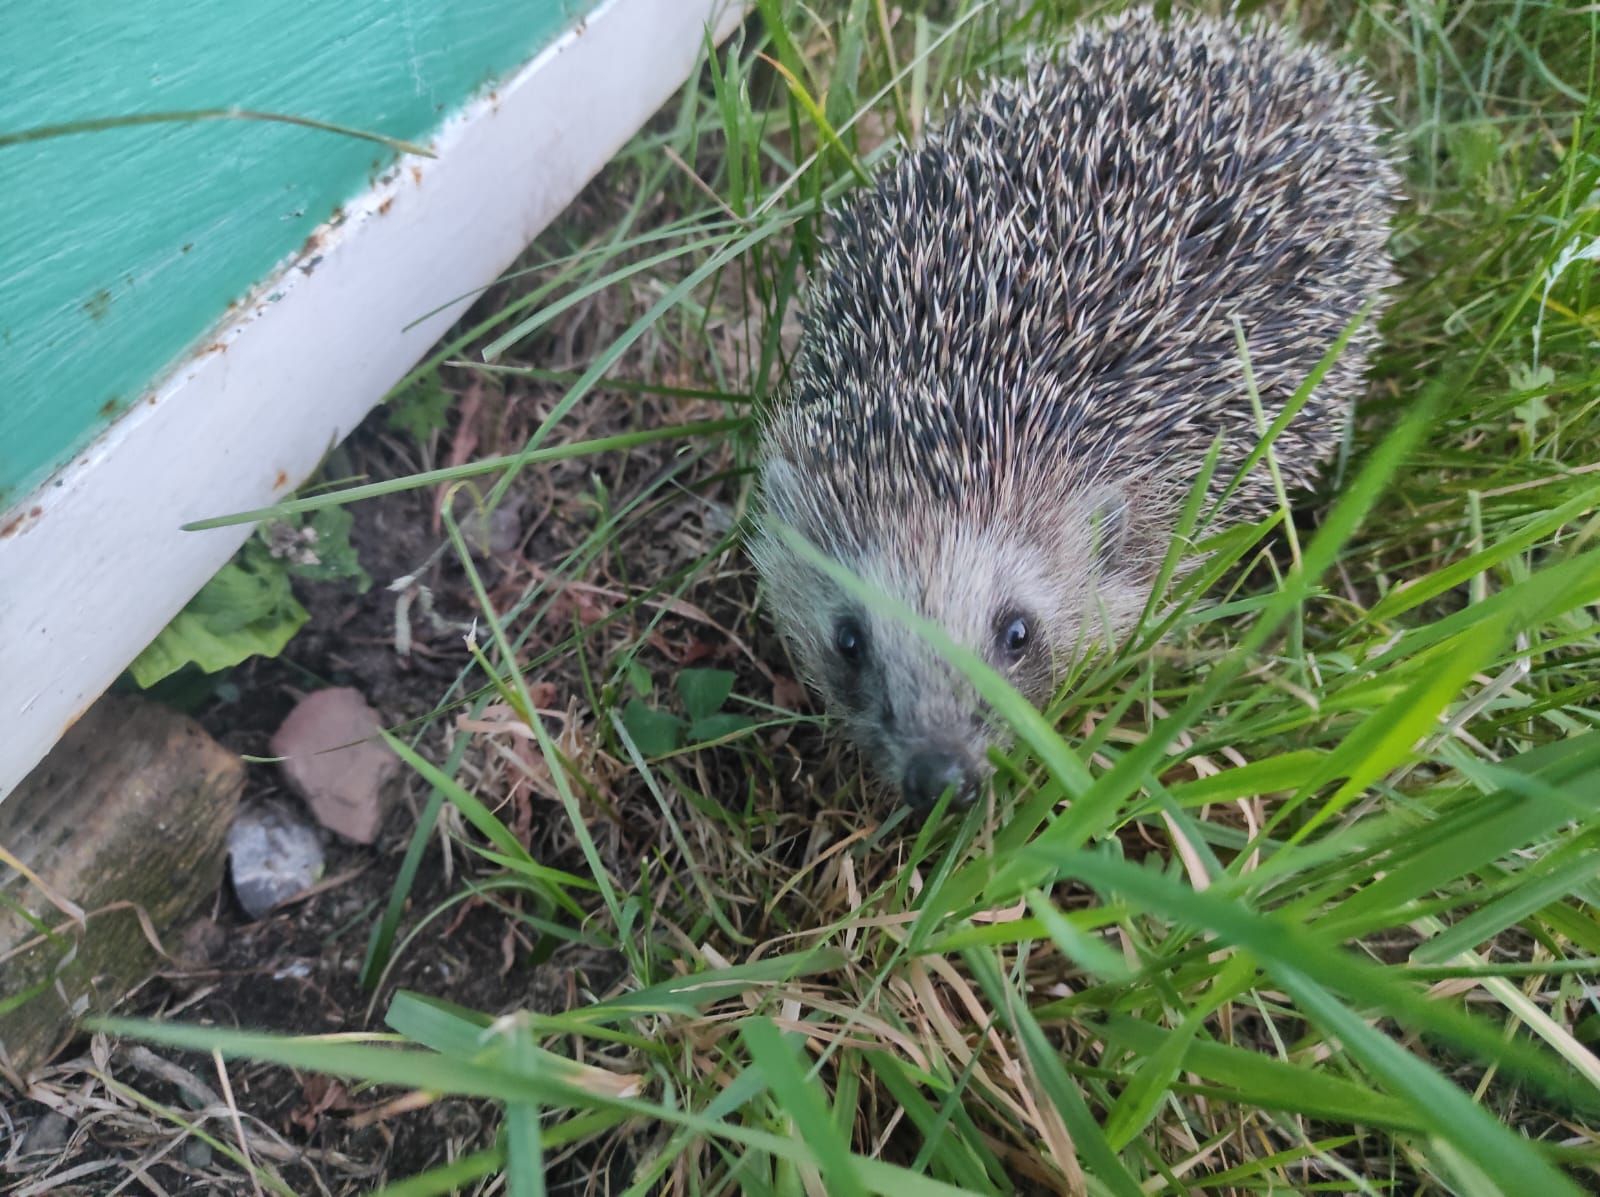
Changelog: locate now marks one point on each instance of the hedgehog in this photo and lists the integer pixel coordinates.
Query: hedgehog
(1022, 343)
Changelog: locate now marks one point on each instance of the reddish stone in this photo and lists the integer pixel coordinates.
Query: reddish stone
(335, 761)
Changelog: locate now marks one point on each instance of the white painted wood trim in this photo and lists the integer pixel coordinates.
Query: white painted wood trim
(93, 564)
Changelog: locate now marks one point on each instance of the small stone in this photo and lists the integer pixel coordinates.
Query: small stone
(272, 856)
(493, 534)
(505, 529)
(334, 760)
(48, 1133)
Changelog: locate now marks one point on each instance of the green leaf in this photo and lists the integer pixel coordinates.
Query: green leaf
(247, 610)
(447, 1178)
(1080, 947)
(1474, 147)
(703, 691)
(639, 677)
(842, 98)
(691, 993)
(1531, 807)
(1260, 1080)
(1155, 1075)
(1389, 734)
(1461, 1127)
(539, 1085)
(420, 409)
(965, 1159)
(1408, 597)
(1310, 968)
(1558, 875)
(336, 557)
(1286, 771)
(1553, 591)
(715, 727)
(654, 733)
(1099, 1160)
(435, 1023)
(546, 881)
(1148, 1087)
(524, 1155)
(565, 451)
(803, 1102)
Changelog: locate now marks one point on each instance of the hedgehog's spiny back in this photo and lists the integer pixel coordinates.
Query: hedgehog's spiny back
(1046, 287)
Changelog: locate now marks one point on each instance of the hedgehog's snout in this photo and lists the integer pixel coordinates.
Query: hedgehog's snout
(931, 772)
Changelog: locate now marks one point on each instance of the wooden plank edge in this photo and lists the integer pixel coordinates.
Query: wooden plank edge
(94, 563)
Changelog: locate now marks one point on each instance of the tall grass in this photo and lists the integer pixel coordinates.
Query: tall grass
(1291, 894)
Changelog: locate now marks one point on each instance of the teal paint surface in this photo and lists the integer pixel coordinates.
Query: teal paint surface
(121, 248)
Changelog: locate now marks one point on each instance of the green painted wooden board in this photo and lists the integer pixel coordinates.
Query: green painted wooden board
(121, 248)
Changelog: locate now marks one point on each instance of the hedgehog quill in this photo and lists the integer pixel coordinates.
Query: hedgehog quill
(1021, 346)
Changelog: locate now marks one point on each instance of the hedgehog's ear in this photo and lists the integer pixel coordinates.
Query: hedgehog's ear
(1126, 529)
(1108, 526)
(780, 483)
(784, 497)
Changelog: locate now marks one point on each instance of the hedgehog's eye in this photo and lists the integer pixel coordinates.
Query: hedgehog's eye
(850, 640)
(1015, 635)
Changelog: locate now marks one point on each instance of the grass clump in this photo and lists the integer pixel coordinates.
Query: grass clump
(1292, 894)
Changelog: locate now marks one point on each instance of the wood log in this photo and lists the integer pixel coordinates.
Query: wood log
(121, 834)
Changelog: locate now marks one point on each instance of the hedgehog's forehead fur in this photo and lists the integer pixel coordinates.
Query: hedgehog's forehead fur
(1029, 323)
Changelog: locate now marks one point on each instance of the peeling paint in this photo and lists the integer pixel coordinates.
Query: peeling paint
(19, 522)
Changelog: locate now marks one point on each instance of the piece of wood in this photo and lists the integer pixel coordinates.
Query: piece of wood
(120, 247)
(124, 825)
(94, 563)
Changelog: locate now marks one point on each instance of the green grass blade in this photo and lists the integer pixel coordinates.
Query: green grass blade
(1099, 1158)
(802, 1102)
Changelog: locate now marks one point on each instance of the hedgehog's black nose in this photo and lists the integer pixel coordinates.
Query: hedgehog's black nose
(932, 772)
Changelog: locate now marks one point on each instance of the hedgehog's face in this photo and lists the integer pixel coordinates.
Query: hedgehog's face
(1025, 600)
